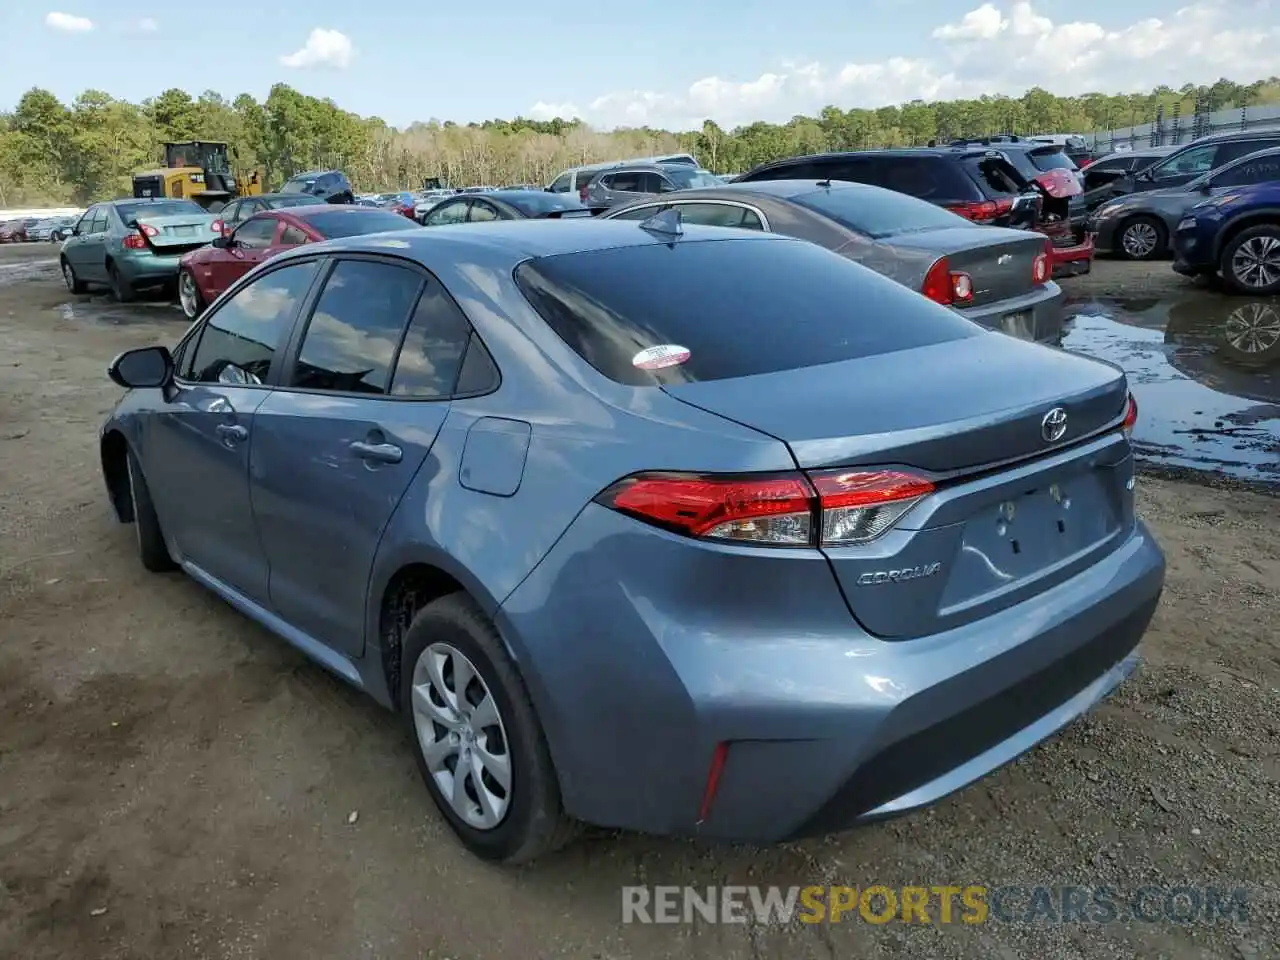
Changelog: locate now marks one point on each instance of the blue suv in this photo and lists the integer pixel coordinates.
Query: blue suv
(1236, 235)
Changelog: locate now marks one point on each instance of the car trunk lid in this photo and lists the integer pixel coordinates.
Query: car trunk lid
(177, 230)
(1012, 513)
(999, 262)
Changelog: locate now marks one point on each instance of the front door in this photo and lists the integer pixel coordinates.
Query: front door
(88, 251)
(337, 445)
(196, 456)
(249, 245)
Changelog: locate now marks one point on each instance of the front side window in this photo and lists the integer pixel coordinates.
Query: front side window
(291, 236)
(452, 211)
(1248, 172)
(433, 348)
(691, 178)
(1188, 163)
(85, 223)
(562, 183)
(1235, 149)
(353, 335)
(257, 233)
(240, 339)
(482, 211)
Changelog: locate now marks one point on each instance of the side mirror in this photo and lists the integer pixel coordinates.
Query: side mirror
(221, 242)
(141, 368)
(1205, 187)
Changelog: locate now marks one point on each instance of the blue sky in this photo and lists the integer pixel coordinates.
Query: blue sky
(734, 60)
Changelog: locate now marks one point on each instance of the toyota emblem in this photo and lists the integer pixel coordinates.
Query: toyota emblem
(1054, 425)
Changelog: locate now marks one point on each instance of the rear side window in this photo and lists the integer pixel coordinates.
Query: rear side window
(935, 179)
(879, 213)
(740, 307)
(433, 348)
(355, 331)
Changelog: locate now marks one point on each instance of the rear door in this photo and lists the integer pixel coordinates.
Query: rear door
(340, 440)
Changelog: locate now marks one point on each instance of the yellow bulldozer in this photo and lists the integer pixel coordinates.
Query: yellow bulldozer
(197, 170)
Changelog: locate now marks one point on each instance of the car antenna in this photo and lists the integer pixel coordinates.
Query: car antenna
(667, 223)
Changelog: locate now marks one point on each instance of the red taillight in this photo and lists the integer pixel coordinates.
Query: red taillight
(218, 227)
(946, 286)
(1130, 416)
(148, 230)
(1040, 268)
(135, 241)
(826, 508)
(982, 211)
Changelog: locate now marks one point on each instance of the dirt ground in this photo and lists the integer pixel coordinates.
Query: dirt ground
(175, 782)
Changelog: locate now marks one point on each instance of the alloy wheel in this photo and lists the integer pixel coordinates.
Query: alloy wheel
(1139, 240)
(1256, 262)
(187, 295)
(462, 736)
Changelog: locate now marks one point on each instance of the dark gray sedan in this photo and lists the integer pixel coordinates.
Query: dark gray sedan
(1138, 227)
(995, 276)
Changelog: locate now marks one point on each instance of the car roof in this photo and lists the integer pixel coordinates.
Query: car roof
(515, 241)
(1230, 137)
(783, 189)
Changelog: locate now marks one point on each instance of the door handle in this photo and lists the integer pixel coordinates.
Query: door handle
(377, 452)
(232, 432)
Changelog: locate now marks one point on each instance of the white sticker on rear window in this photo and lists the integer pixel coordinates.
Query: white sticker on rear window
(663, 355)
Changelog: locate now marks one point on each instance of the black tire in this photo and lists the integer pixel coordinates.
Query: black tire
(120, 288)
(535, 823)
(151, 546)
(1151, 229)
(74, 283)
(1253, 239)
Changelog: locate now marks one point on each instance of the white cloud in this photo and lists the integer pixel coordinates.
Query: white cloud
(994, 48)
(324, 48)
(68, 22)
(147, 25)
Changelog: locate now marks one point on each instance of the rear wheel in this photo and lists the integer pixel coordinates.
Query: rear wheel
(1143, 238)
(189, 294)
(480, 747)
(1250, 261)
(120, 287)
(74, 283)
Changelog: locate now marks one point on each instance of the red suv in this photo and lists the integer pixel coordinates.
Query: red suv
(1001, 181)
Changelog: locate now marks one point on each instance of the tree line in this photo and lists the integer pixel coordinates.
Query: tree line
(55, 153)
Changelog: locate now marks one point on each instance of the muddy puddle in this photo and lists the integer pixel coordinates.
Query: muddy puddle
(1205, 370)
(22, 271)
(102, 308)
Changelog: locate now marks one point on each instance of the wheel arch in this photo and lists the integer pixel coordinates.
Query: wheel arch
(113, 450)
(1243, 221)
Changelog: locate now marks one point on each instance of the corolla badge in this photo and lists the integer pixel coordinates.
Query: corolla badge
(898, 576)
(1054, 425)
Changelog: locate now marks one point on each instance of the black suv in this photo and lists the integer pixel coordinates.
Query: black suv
(327, 186)
(1186, 163)
(1001, 181)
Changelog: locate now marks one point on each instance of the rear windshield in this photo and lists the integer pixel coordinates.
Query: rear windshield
(354, 222)
(298, 201)
(880, 213)
(1055, 159)
(160, 208)
(740, 307)
(690, 178)
(537, 204)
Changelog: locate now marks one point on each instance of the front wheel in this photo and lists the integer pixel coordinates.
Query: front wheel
(152, 550)
(189, 295)
(74, 283)
(479, 745)
(1143, 238)
(1250, 261)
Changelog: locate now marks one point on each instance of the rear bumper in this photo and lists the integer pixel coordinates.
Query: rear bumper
(1033, 316)
(640, 662)
(145, 268)
(1074, 260)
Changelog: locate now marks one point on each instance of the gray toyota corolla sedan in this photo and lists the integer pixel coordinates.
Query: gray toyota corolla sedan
(680, 529)
(993, 275)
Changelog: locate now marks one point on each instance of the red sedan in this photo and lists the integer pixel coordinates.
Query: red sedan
(205, 273)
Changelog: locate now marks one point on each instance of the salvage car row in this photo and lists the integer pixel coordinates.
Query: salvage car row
(626, 512)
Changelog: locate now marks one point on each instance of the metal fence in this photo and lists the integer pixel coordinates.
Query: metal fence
(1168, 130)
